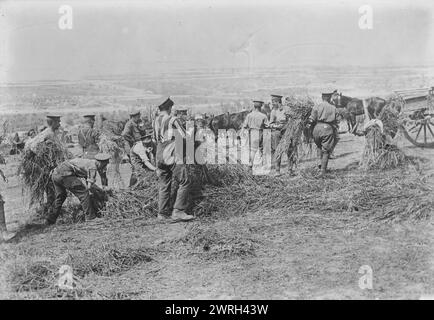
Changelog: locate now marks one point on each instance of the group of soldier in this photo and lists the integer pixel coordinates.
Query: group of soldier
(323, 124)
(147, 152)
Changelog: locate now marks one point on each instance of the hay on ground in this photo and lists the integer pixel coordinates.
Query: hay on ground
(32, 276)
(107, 260)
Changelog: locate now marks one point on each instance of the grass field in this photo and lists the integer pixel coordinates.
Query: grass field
(308, 251)
(278, 254)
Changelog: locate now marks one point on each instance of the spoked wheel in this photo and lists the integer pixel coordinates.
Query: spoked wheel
(420, 131)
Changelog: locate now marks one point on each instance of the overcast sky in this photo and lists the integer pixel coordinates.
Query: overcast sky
(125, 37)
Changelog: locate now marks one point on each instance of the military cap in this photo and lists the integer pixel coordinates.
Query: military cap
(134, 113)
(90, 116)
(276, 97)
(166, 104)
(53, 117)
(147, 136)
(258, 102)
(102, 156)
(182, 111)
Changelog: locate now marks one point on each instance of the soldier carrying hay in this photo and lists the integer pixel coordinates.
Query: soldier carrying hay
(42, 154)
(68, 175)
(277, 123)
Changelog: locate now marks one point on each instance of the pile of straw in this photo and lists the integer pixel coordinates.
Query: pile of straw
(141, 200)
(296, 133)
(35, 167)
(237, 192)
(378, 153)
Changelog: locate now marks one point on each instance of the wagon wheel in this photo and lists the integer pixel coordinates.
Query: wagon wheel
(420, 131)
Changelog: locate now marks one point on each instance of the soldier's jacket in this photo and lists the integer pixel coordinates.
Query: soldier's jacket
(88, 139)
(277, 116)
(132, 132)
(326, 113)
(165, 128)
(80, 168)
(255, 120)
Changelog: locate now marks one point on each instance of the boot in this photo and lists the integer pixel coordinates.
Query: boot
(324, 163)
(180, 215)
(277, 173)
(5, 234)
(319, 154)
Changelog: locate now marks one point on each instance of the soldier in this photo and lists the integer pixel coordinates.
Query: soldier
(255, 122)
(5, 234)
(165, 126)
(324, 117)
(67, 177)
(277, 123)
(49, 133)
(133, 131)
(142, 159)
(88, 137)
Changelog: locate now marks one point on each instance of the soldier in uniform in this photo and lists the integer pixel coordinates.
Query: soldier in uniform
(68, 176)
(255, 122)
(324, 117)
(277, 123)
(132, 135)
(88, 137)
(133, 131)
(142, 159)
(51, 132)
(166, 126)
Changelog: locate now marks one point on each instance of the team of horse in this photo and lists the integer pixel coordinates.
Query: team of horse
(353, 107)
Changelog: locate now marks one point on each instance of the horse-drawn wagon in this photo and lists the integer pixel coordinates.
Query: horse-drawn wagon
(418, 116)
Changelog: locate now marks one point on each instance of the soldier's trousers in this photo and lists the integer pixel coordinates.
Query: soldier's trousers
(178, 174)
(276, 136)
(51, 197)
(77, 187)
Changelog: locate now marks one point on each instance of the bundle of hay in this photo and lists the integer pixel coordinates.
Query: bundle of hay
(379, 152)
(35, 167)
(113, 145)
(296, 133)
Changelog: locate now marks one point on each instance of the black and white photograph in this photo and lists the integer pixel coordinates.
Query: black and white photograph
(217, 150)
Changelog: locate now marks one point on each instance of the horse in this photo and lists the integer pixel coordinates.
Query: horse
(227, 121)
(354, 107)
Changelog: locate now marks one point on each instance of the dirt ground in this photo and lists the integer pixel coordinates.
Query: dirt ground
(283, 255)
